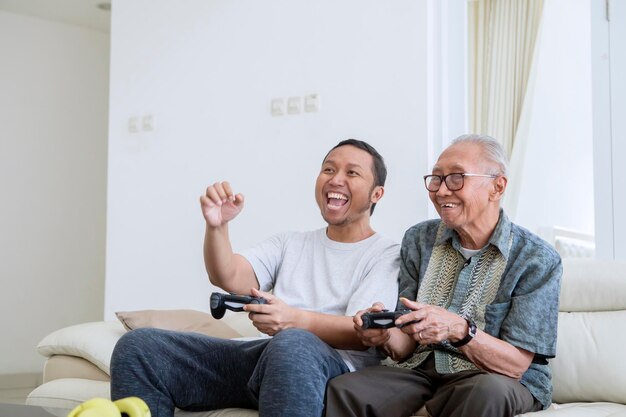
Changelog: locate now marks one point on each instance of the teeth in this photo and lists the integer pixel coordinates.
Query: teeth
(448, 205)
(337, 196)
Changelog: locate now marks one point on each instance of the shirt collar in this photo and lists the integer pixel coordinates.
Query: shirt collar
(499, 238)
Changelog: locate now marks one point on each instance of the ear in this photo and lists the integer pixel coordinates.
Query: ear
(377, 194)
(499, 185)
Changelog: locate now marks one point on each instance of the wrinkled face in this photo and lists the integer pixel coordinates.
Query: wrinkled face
(466, 208)
(345, 189)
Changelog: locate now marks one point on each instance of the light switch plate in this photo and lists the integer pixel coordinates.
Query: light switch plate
(133, 124)
(294, 104)
(278, 106)
(147, 123)
(312, 103)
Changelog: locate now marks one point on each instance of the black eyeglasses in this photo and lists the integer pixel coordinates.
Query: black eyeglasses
(454, 181)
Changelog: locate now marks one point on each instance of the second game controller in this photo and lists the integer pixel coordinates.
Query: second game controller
(222, 302)
(382, 319)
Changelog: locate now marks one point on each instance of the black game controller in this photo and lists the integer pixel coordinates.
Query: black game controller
(382, 320)
(221, 302)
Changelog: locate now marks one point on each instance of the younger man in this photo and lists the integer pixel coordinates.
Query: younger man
(319, 279)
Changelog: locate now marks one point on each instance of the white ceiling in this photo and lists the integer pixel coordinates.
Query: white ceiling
(75, 12)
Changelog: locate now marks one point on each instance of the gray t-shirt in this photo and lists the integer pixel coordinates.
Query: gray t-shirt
(309, 271)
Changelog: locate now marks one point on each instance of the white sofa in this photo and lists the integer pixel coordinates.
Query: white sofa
(589, 372)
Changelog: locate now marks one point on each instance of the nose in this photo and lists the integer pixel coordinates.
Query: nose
(338, 178)
(443, 190)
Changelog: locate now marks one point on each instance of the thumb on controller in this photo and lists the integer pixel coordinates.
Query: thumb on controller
(270, 298)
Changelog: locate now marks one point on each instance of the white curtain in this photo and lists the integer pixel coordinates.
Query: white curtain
(551, 178)
(502, 36)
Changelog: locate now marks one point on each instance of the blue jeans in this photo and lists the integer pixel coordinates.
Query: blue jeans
(282, 376)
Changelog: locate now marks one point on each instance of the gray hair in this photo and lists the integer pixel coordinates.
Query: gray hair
(494, 152)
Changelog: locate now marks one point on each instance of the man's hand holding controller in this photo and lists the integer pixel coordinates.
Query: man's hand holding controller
(370, 336)
(382, 319)
(377, 327)
(234, 302)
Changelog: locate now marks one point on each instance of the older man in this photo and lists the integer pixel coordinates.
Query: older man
(483, 299)
(319, 280)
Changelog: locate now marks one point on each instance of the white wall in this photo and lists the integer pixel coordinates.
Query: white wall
(618, 123)
(447, 93)
(206, 72)
(609, 125)
(552, 163)
(53, 112)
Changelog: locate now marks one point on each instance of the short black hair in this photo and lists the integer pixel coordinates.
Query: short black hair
(379, 169)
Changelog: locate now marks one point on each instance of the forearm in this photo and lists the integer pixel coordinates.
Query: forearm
(337, 331)
(225, 268)
(399, 345)
(494, 355)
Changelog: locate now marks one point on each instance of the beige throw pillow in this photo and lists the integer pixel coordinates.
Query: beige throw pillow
(179, 320)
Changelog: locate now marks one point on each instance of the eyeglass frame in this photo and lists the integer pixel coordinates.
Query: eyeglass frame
(443, 179)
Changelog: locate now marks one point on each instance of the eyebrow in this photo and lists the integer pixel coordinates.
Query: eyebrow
(355, 166)
(330, 161)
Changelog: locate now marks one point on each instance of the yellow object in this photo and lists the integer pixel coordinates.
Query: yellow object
(101, 407)
(133, 407)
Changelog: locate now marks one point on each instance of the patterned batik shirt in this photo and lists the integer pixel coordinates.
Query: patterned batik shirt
(510, 289)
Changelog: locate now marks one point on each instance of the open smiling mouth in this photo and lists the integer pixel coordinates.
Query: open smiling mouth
(336, 199)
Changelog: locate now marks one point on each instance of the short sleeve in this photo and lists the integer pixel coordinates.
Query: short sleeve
(266, 259)
(409, 267)
(379, 284)
(532, 320)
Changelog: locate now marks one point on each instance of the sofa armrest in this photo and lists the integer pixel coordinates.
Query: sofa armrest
(64, 366)
(67, 393)
(91, 341)
(95, 341)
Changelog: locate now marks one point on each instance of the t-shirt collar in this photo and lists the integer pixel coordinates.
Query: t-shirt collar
(499, 238)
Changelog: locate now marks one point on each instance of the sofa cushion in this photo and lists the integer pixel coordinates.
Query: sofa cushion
(581, 410)
(593, 285)
(180, 320)
(68, 392)
(91, 341)
(589, 365)
(65, 366)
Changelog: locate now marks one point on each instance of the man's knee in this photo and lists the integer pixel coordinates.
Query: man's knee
(132, 345)
(498, 392)
(126, 346)
(295, 334)
(294, 350)
(292, 341)
(490, 386)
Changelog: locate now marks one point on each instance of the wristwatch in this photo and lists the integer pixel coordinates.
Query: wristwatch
(471, 333)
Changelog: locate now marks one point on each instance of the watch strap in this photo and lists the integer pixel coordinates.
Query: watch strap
(471, 333)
